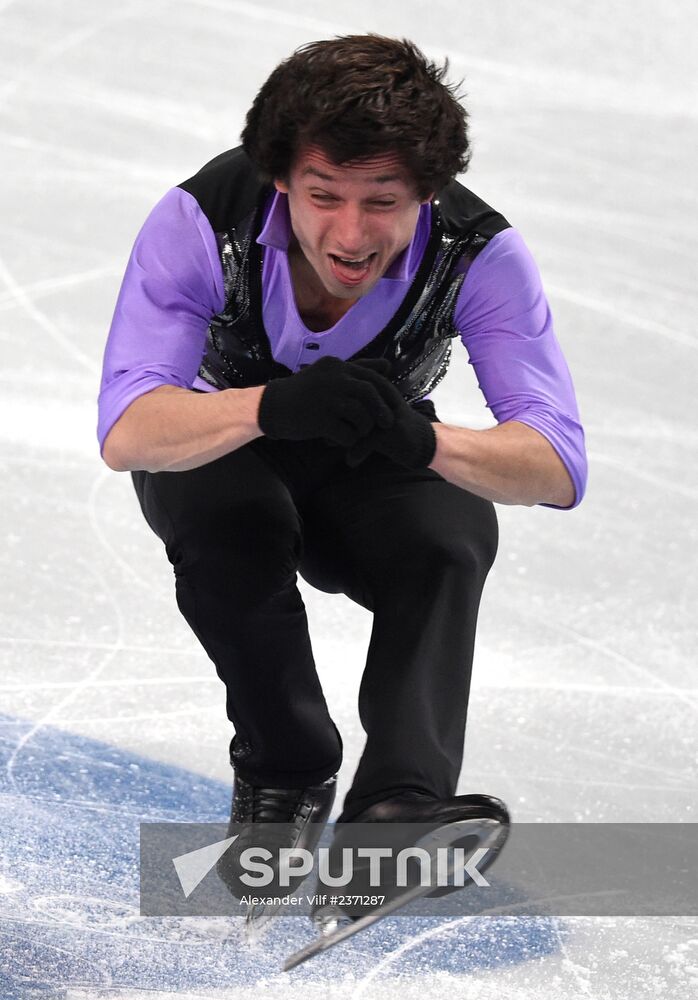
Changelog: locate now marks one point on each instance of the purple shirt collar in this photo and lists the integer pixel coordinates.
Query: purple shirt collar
(276, 233)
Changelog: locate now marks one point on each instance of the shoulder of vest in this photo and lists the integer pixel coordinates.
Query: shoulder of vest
(226, 188)
(462, 212)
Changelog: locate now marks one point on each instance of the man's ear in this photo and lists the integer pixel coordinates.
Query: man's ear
(281, 186)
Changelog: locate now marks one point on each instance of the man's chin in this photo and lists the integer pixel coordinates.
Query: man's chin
(347, 294)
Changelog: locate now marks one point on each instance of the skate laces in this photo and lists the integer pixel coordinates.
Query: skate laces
(275, 805)
(259, 804)
(265, 804)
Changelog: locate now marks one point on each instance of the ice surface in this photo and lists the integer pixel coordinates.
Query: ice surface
(584, 695)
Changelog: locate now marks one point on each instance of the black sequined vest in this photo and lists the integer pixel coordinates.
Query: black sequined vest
(417, 340)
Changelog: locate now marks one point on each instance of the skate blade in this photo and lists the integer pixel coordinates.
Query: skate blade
(490, 834)
(329, 922)
(258, 921)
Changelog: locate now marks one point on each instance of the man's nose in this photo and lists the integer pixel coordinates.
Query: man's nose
(351, 231)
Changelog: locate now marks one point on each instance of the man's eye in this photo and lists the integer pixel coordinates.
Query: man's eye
(324, 197)
(384, 204)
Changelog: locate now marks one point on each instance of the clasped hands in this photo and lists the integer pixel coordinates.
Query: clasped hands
(352, 404)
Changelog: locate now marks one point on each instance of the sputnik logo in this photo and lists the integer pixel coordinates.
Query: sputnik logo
(193, 867)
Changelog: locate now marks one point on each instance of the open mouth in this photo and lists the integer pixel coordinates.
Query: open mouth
(350, 271)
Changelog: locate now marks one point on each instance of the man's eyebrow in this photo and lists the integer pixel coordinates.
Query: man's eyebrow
(380, 179)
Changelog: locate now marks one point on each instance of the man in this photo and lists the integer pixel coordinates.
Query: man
(283, 318)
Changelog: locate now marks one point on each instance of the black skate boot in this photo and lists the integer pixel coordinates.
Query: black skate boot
(272, 818)
(468, 822)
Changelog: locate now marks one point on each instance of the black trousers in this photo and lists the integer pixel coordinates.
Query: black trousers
(409, 546)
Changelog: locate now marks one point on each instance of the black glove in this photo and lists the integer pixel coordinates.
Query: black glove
(411, 441)
(337, 400)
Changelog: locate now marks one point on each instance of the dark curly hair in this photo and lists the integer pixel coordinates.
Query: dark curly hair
(358, 96)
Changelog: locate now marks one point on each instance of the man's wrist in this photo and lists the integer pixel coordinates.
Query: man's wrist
(447, 445)
(246, 404)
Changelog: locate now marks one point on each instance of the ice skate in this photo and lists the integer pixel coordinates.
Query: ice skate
(471, 822)
(272, 818)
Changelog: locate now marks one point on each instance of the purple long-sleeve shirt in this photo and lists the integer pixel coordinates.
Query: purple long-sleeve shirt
(173, 285)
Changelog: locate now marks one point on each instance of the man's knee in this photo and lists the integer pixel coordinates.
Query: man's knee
(468, 542)
(246, 550)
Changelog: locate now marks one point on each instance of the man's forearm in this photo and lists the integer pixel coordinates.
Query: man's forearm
(511, 463)
(171, 429)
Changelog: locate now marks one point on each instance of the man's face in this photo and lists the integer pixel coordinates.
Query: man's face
(350, 221)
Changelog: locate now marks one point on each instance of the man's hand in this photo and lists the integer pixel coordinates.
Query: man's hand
(410, 441)
(337, 400)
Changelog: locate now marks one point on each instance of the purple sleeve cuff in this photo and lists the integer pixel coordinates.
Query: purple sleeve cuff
(172, 286)
(567, 438)
(505, 324)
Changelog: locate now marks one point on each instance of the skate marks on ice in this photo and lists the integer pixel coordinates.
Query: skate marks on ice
(69, 889)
